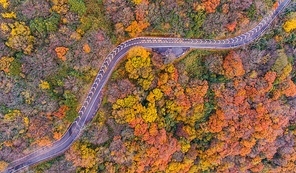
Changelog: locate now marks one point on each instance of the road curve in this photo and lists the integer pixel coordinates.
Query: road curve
(93, 100)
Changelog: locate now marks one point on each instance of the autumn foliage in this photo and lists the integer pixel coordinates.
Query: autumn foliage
(9, 15)
(209, 111)
(135, 28)
(44, 85)
(166, 103)
(137, 1)
(3, 165)
(61, 112)
(247, 130)
(210, 5)
(138, 66)
(231, 26)
(61, 52)
(290, 25)
(247, 126)
(86, 48)
(60, 6)
(5, 63)
(233, 66)
(289, 88)
(159, 147)
(4, 3)
(19, 36)
(82, 155)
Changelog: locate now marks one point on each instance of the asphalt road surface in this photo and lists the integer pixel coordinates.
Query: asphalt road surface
(93, 100)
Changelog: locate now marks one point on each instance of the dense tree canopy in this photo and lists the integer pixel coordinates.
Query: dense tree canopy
(209, 111)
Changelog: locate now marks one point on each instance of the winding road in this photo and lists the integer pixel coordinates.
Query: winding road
(93, 100)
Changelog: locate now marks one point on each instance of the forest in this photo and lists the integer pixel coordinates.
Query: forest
(208, 111)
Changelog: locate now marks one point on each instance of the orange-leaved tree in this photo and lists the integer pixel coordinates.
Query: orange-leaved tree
(233, 66)
(5, 63)
(136, 28)
(61, 52)
(210, 5)
(19, 36)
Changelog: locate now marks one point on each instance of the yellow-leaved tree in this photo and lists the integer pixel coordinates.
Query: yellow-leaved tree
(82, 155)
(290, 25)
(9, 15)
(60, 6)
(4, 3)
(125, 110)
(44, 85)
(5, 63)
(19, 36)
(137, 1)
(139, 67)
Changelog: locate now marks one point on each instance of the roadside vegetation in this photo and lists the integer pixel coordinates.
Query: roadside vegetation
(211, 111)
